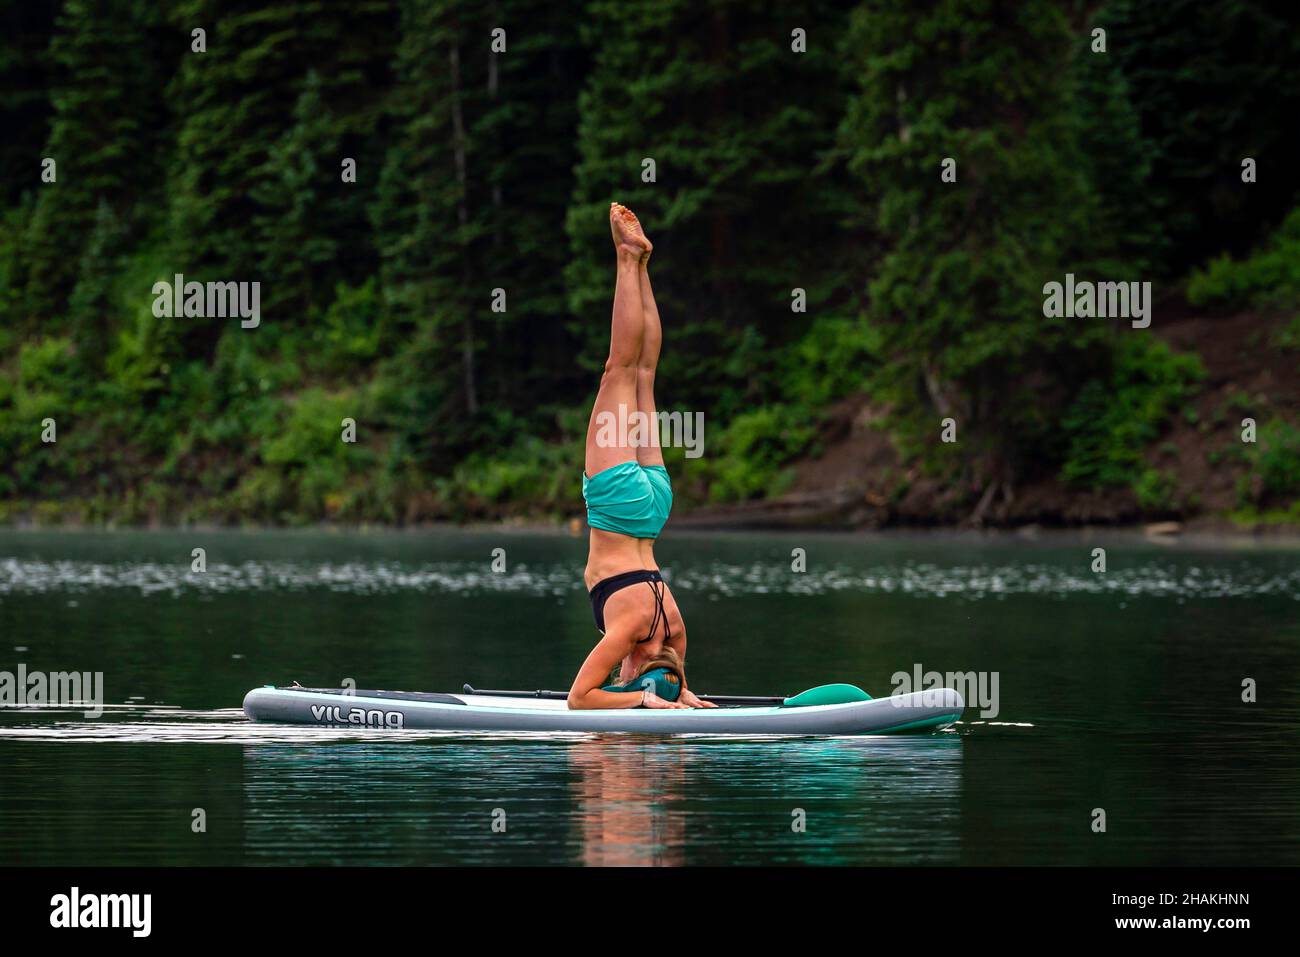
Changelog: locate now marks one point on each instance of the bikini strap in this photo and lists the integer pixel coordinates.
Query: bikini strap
(657, 589)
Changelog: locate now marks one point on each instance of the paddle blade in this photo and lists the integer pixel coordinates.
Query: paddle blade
(827, 694)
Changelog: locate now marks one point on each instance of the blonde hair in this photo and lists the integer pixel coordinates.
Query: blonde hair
(666, 658)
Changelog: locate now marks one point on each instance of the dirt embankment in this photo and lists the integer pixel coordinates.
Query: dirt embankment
(859, 481)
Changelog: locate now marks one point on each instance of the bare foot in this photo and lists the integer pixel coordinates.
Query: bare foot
(629, 237)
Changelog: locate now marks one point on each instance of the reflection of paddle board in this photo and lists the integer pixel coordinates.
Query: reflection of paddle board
(833, 709)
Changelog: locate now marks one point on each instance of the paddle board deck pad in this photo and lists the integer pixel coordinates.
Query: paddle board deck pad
(919, 711)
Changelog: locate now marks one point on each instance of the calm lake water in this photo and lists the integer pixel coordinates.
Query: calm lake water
(1119, 691)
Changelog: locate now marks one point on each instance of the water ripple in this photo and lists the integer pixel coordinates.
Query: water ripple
(917, 579)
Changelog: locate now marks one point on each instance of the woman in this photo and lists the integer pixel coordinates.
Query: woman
(628, 496)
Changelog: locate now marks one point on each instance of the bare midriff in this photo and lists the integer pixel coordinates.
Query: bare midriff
(611, 553)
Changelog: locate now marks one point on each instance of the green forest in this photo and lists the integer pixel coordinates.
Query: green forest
(855, 208)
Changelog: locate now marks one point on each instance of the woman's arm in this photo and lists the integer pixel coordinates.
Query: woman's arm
(586, 692)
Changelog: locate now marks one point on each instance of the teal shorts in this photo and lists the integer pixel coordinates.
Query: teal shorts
(629, 498)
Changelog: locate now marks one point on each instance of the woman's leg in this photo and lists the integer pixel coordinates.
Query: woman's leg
(651, 453)
(607, 443)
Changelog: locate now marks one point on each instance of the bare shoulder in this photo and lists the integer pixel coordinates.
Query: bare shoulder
(632, 608)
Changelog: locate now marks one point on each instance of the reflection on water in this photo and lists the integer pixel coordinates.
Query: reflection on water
(609, 799)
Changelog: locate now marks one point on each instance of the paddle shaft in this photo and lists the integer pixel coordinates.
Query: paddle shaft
(560, 695)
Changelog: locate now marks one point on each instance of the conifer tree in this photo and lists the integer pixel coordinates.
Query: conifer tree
(92, 309)
(957, 293)
(472, 200)
(1213, 82)
(299, 208)
(736, 122)
(236, 101)
(105, 138)
(25, 32)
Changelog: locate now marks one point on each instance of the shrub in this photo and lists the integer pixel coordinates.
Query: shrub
(747, 457)
(1270, 277)
(1112, 420)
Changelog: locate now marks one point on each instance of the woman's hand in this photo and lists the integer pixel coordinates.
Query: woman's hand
(651, 700)
(688, 698)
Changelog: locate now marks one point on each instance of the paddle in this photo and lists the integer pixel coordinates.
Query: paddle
(560, 695)
(822, 694)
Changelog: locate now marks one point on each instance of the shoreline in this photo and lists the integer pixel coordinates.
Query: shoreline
(1194, 532)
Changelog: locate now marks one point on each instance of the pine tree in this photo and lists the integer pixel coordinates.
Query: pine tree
(471, 200)
(236, 102)
(105, 137)
(1124, 224)
(425, 231)
(738, 124)
(1213, 82)
(92, 309)
(524, 136)
(957, 294)
(299, 206)
(25, 111)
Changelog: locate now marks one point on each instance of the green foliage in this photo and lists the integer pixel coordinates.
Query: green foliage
(1114, 418)
(45, 367)
(1276, 461)
(1269, 278)
(742, 207)
(1125, 236)
(43, 386)
(747, 458)
(1155, 490)
(25, 107)
(299, 199)
(104, 138)
(543, 474)
(238, 136)
(1189, 82)
(92, 307)
(836, 357)
(454, 299)
(957, 294)
(351, 332)
(1288, 337)
(1268, 492)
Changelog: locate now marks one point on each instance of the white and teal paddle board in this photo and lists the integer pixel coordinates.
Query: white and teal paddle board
(828, 710)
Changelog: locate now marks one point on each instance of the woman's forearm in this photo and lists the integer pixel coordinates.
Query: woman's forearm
(599, 698)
